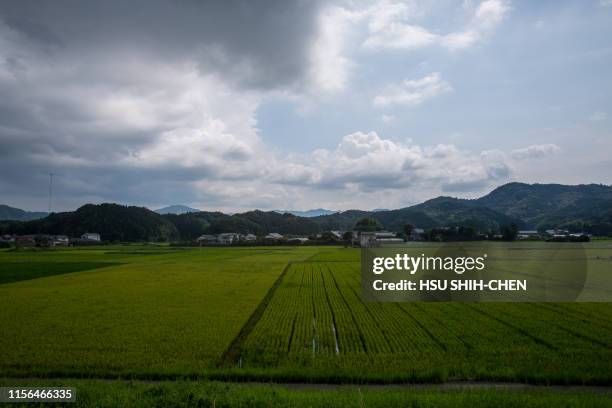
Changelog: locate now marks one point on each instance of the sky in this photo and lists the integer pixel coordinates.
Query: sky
(238, 105)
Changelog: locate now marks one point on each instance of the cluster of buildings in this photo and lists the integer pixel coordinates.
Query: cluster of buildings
(374, 239)
(229, 238)
(357, 239)
(549, 234)
(377, 238)
(50, 240)
(226, 238)
(366, 239)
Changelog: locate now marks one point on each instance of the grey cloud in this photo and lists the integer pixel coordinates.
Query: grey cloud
(536, 151)
(103, 94)
(148, 102)
(464, 186)
(75, 185)
(264, 44)
(33, 30)
(237, 153)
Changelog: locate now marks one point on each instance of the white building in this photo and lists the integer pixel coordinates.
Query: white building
(337, 234)
(91, 236)
(297, 240)
(248, 237)
(274, 236)
(367, 239)
(557, 233)
(417, 234)
(385, 236)
(227, 238)
(63, 240)
(203, 239)
(373, 239)
(525, 234)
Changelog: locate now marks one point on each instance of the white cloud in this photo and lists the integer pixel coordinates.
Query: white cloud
(490, 13)
(365, 163)
(402, 36)
(391, 27)
(413, 92)
(598, 116)
(536, 151)
(329, 68)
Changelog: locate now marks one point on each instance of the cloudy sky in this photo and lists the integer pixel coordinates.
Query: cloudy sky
(238, 105)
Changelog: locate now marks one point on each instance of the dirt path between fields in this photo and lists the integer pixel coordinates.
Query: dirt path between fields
(301, 386)
(231, 356)
(451, 386)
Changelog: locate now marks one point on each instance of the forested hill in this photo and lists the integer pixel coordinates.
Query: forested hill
(12, 213)
(254, 222)
(578, 208)
(550, 205)
(439, 212)
(112, 221)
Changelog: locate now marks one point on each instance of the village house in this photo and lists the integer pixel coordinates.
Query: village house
(374, 239)
(387, 237)
(274, 236)
(297, 240)
(526, 234)
(206, 239)
(248, 238)
(557, 233)
(25, 240)
(228, 238)
(60, 240)
(337, 234)
(90, 236)
(7, 238)
(417, 234)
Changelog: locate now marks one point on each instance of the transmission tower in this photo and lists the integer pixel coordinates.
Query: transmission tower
(50, 190)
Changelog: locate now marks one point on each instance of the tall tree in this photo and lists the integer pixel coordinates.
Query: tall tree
(367, 224)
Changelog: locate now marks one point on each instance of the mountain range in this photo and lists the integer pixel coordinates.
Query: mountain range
(308, 213)
(530, 206)
(12, 213)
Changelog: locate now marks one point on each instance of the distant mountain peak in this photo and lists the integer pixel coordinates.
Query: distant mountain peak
(176, 209)
(308, 213)
(17, 214)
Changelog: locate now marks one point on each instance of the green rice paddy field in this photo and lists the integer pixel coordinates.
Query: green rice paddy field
(284, 314)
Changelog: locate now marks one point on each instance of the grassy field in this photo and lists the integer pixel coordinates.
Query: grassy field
(160, 312)
(317, 326)
(276, 313)
(183, 394)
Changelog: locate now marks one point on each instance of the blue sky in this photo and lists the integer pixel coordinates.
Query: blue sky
(336, 104)
(546, 65)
